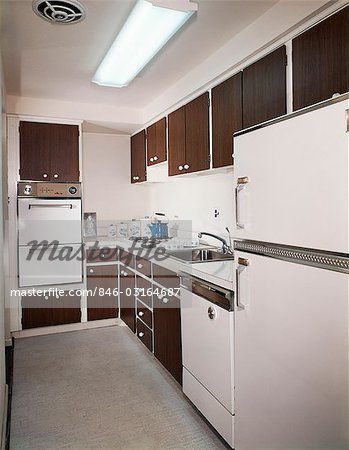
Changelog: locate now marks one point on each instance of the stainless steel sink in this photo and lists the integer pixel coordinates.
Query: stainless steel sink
(200, 255)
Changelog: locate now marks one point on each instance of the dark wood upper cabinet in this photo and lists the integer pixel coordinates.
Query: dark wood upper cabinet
(176, 141)
(49, 152)
(138, 158)
(156, 142)
(226, 119)
(103, 280)
(197, 150)
(320, 61)
(188, 137)
(264, 88)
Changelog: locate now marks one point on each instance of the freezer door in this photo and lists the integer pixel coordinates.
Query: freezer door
(45, 219)
(291, 356)
(291, 181)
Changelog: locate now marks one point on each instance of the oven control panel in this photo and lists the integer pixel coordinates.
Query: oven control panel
(50, 190)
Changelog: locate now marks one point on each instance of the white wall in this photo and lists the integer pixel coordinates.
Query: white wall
(106, 176)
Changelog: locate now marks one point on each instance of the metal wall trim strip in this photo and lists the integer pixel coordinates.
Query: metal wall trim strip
(338, 262)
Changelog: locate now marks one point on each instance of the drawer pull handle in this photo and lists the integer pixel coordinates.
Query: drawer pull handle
(140, 266)
(44, 175)
(160, 296)
(141, 334)
(141, 313)
(55, 175)
(186, 166)
(91, 271)
(155, 158)
(165, 300)
(151, 159)
(180, 167)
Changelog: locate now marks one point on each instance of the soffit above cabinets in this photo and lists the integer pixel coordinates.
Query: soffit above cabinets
(43, 60)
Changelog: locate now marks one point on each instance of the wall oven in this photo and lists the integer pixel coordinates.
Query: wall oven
(49, 234)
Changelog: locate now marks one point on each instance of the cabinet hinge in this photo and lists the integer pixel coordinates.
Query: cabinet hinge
(209, 157)
(209, 101)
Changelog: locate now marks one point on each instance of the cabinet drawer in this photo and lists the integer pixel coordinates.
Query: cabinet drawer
(101, 254)
(144, 290)
(145, 314)
(145, 335)
(126, 258)
(165, 277)
(143, 266)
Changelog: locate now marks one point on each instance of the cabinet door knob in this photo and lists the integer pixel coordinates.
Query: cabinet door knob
(165, 300)
(141, 313)
(160, 296)
(155, 158)
(186, 166)
(44, 175)
(140, 266)
(91, 271)
(125, 274)
(103, 255)
(151, 159)
(141, 334)
(55, 175)
(180, 167)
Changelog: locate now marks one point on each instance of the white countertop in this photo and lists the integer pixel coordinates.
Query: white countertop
(219, 273)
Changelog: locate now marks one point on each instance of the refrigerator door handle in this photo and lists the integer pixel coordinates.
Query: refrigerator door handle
(242, 264)
(241, 183)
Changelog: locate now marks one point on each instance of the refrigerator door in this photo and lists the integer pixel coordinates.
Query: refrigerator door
(291, 356)
(291, 181)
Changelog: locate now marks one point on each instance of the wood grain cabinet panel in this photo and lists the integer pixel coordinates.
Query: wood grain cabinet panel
(102, 281)
(40, 311)
(188, 137)
(197, 134)
(320, 61)
(126, 298)
(167, 334)
(49, 152)
(264, 88)
(156, 142)
(226, 119)
(138, 158)
(176, 141)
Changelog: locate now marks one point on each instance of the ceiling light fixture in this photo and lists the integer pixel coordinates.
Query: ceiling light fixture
(148, 28)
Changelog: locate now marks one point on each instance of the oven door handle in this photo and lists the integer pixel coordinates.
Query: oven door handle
(49, 205)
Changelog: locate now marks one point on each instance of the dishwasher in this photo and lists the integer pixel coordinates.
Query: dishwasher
(207, 321)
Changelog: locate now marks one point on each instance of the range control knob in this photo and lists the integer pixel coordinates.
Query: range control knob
(72, 190)
(27, 189)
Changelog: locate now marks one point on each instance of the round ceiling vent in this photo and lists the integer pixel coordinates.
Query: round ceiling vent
(60, 11)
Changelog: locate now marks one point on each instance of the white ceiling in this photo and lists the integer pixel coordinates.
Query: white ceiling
(43, 60)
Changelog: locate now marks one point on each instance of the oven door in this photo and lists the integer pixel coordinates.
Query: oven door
(49, 219)
(61, 264)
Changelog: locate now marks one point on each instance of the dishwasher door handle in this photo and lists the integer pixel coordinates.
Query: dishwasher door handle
(242, 264)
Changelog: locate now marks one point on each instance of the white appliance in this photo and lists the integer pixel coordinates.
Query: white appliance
(207, 352)
(50, 214)
(292, 283)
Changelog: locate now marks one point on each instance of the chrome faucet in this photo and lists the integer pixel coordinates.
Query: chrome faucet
(225, 247)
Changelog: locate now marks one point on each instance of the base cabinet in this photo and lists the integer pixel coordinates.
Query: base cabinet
(126, 297)
(102, 292)
(44, 311)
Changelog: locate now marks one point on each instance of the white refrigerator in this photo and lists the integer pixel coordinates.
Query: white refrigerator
(291, 241)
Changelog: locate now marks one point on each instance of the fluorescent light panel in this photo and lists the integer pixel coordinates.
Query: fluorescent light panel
(146, 31)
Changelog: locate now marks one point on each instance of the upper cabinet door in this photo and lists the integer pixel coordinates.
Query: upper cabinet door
(226, 119)
(197, 149)
(64, 152)
(264, 88)
(138, 162)
(321, 61)
(34, 147)
(156, 142)
(49, 152)
(176, 141)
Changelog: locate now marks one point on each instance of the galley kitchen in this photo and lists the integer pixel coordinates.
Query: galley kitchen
(174, 224)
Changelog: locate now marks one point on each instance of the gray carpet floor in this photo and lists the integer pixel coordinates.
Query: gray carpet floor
(99, 389)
